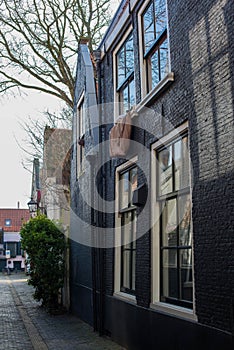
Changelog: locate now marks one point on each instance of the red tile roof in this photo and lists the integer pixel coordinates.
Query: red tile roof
(17, 217)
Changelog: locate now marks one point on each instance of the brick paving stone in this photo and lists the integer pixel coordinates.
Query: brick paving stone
(61, 332)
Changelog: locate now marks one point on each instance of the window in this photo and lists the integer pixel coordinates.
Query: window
(155, 43)
(172, 260)
(80, 135)
(8, 222)
(125, 75)
(12, 246)
(125, 263)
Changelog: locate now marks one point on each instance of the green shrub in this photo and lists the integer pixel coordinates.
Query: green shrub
(44, 243)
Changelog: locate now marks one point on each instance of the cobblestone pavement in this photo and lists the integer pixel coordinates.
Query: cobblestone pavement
(24, 325)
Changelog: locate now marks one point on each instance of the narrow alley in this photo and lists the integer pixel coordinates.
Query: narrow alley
(25, 325)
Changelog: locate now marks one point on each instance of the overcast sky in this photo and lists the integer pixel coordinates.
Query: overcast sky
(15, 181)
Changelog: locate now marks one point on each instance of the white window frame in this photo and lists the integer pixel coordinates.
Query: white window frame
(146, 96)
(115, 71)
(117, 265)
(79, 164)
(155, 224)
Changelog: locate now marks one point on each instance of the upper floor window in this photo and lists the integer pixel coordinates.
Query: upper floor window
(155, 43)
(125, 75)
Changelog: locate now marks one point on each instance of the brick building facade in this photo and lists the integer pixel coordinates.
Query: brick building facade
(170, 285)
(11, 221)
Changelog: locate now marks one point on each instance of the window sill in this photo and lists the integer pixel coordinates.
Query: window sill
(125, 297)
(174, 310)
(153, 94)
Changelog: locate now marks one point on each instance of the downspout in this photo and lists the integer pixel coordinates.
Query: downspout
(93, 252)
(101, 213)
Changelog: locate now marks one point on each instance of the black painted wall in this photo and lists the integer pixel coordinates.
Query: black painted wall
(202, 59)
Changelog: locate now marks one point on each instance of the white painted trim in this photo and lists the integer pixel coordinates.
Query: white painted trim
(120, 24)
(156, 91)
(79, 103)
(170, 136)
(125, 297)
(133, 4)
(174, 310)
(116, 102)
(142, 61)
(155, 246)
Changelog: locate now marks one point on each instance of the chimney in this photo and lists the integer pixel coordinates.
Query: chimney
(18, 204)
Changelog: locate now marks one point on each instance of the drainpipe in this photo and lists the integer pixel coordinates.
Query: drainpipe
(101, 214)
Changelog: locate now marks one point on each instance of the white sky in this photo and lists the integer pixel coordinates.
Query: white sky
(15, 181)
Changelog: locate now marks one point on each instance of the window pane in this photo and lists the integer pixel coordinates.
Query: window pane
(169, 273)
(133, 180)
(169, 224)
(127, 96)
(129, 56)
(128, 250)
(181, 161)
(131, 94)
(163, 59)
(126, 268)
(165, 171)
(154, 70)
(125, 99)
(185, 163)
(149, 32)
(160, 15)
(127, 230)
(133, 269)
(124, 190)
(125, 61)
(184, 210)
(121, 66)
(186, 274)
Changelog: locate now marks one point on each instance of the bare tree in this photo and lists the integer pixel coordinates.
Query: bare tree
(38, 42)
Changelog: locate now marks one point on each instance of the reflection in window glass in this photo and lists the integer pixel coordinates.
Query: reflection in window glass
(155, 42)
(175, 224)
(165, 168)
(125, 61)
(181, 161)
(160, 16)
(128, 262)
(154, 69)
(124, 190)
(169, 268)
(186, 274)
(125, 76)
(169, 223)
(184, 216)
(148, 22)
(121, 66)
(131, 94)
(163, 59)
(127, 184)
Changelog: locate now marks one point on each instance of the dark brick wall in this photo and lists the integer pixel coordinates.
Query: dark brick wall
(202, 59)
(201, 46)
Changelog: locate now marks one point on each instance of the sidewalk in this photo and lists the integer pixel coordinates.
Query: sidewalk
(24, 325)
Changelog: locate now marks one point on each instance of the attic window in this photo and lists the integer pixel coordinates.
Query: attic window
(8, 222)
